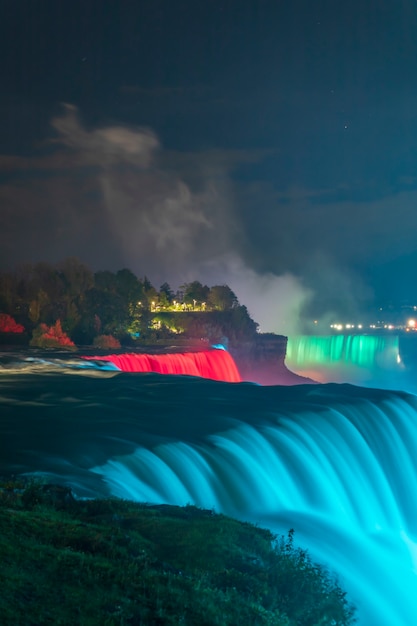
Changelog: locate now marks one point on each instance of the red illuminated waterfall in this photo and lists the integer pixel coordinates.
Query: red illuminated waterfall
(213, 364)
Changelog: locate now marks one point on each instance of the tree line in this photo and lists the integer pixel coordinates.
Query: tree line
(89, 304)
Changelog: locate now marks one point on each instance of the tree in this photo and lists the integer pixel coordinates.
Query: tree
(222, 298)
(7, 292)
(166, 295)
(77, 277)
(105, 281)
(49, 301)
(108, 307)
(49, 279)
(33, 292)
(78, 280)
(129, 287)
(195, 293)
(241, 323)
(150, 293)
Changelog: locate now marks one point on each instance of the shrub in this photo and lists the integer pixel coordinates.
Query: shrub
(51, 337)
(115, 562)
(106, 342)
(8, 324)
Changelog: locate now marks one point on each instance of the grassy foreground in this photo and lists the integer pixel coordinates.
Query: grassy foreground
(113, 562)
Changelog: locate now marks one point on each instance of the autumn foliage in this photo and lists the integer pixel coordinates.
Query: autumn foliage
(51, 337)
(8, 324)
(119, 304)
(106, 342)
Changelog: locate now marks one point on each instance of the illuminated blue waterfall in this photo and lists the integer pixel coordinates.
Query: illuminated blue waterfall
(337, 463)
(339, 475)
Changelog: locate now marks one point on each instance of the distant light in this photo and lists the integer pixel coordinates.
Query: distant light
(359, 325)
(411, 323)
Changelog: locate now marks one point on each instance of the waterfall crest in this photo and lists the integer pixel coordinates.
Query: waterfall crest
(213, 364)
(359, 359)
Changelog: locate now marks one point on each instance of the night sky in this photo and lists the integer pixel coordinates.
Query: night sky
(267, 144)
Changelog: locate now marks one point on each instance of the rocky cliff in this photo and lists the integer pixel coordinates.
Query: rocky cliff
(262, 361)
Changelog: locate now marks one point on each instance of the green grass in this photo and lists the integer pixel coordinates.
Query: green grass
(112, 562)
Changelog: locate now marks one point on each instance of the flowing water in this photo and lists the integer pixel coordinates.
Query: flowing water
(213, 364)
(336, 462)
(387, 361)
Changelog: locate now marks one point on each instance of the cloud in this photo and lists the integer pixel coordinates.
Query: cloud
(171, 215)
(297, 225)
(50, 218)
(165, 212)
(158, 222)
(114, 196)
(334, 245)
(171, 212)
(105, 146)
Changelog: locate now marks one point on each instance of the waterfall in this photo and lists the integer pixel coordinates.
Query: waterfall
(213, 364)
(335, 462)
(341, 475)
(361, 359)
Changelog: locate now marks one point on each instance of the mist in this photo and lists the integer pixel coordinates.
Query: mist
(115, 196)
(175, 219)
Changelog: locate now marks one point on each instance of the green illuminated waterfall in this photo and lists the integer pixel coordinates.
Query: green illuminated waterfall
(344, 358)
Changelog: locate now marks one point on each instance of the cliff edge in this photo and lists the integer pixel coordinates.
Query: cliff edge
(262, 360)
